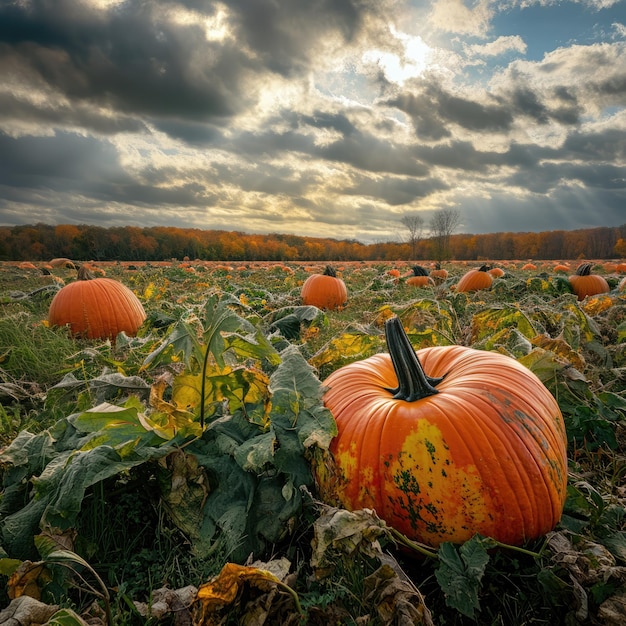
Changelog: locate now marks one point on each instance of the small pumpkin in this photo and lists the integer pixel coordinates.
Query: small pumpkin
(325, 291)
(477, 445)
(562, 268)
(439, 274)
(475, 279)
(584, 283)
(528, 267)
(496, 272)
(96, 308)
(419, 277)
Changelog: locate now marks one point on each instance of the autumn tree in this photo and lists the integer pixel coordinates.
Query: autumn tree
(443, 223)
(414, 223)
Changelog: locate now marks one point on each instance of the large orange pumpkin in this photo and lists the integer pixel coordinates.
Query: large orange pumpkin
(584, 283)
(475, 279)
(325, 291)
(96, 308)
(476, 446)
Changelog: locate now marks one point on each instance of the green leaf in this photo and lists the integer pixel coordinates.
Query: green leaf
(288, 321)
(180, 344)
(460, 572)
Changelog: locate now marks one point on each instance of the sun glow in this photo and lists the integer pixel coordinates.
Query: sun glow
(398, 68)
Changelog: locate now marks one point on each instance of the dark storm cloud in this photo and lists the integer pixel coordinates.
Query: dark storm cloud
(135, 58)
(435, 108)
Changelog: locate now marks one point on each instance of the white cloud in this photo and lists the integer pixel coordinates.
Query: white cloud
(499, 46)
(454, 16)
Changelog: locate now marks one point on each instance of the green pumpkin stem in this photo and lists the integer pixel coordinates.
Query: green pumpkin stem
(413, 383)
(584, 269)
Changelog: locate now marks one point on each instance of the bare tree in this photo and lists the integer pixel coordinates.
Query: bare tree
(442, 225)
(415, 225)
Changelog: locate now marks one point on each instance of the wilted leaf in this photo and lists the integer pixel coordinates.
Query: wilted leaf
(397, 602)
(26, 611)
(342, 532)
(27, 580)
(184, 490)
(222, 592)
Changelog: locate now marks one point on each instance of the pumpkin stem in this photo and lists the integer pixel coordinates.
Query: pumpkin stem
(584, 269)
(413, 383)
(418, 270)
(484, 268)
(330, 271)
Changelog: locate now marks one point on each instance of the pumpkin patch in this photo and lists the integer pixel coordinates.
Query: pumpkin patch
(285, 453)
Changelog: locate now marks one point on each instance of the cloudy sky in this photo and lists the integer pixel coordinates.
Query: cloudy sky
(330, 118)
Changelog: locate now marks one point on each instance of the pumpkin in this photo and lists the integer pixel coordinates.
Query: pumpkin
(325, 291)
(439, 274)
(475, 279)
(96, 308)
(419, 277)
(496, 272)
(476, 446)
(529, 267)
(561, 267)
(62, 262)
(622, 284)
(584, 283)
(620, 267)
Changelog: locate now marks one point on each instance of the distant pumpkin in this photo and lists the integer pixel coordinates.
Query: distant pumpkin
(325, 291)
(439, 274)
(475, 279)
(419, 277)
(496, 272)
(96, 308)
(584, 283)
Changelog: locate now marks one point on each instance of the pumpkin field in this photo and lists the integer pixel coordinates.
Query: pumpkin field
(359, 443)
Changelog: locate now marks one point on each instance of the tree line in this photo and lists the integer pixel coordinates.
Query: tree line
(42, 242)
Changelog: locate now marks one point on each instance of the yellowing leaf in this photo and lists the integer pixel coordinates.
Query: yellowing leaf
(347, 346)
(243, 388)
(562, 349)
(217, 597)
(596, 304)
